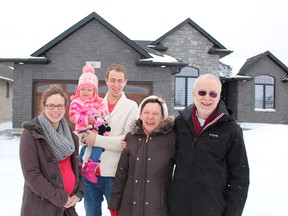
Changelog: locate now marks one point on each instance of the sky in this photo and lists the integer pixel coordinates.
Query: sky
(267, 151)
(246, 27)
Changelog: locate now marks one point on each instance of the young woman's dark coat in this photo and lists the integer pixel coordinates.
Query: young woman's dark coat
(144, 172)
(43, 187)
(212, 173)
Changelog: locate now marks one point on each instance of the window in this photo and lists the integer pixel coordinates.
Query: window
(264, 92)
(7, 90)
(184, 82)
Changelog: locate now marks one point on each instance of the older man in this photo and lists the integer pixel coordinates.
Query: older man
(212, 173)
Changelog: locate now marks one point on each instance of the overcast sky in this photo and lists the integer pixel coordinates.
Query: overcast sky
(247, 27)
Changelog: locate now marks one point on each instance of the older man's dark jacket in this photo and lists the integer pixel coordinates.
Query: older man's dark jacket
(212, 172)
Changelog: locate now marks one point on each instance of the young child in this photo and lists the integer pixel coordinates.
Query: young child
(87, 112)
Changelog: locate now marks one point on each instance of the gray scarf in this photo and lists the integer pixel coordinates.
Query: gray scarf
(61, 141)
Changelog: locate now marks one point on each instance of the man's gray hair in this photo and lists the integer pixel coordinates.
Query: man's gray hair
(208, 76)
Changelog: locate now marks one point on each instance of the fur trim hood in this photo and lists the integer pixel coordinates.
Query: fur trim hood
(33, 125)
(165, 126)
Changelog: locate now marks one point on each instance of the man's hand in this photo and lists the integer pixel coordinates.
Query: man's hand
(89, 138)
(123, 144)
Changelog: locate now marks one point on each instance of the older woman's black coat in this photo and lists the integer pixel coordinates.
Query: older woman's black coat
(212, 173)
(144, 172)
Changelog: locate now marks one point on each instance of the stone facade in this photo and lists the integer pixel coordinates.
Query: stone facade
(188, 45)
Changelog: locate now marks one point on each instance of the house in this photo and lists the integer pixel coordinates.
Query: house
(259, 92)
(6, 93)
(167, 66)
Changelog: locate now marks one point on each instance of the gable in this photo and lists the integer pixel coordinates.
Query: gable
(81, 24)
(92, 42)
(263, 58)
(217, 48)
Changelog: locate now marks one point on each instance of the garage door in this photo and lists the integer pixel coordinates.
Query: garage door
(136, 91)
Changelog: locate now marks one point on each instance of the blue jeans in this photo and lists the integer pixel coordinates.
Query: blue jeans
(93, 196)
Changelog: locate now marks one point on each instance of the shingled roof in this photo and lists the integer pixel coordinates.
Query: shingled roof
(253, 60)
(147, 59)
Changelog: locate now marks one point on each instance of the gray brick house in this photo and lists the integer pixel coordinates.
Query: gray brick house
(167, 66)
(6, 93)
(259, 92)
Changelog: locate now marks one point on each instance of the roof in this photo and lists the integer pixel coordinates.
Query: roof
(27, 60)
(217, 48)
(83, 22)
(142, 47)
(236, 78)
(253, 60)
(146, 45)
(157, 58)
(6, 79)
(6, 73)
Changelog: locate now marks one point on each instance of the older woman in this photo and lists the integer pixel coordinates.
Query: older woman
(146, 164)
(49, 161)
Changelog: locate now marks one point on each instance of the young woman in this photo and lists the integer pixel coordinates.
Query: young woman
(49, 161)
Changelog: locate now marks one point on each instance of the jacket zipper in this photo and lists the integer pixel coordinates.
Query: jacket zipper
(143, 179)
(208, 125)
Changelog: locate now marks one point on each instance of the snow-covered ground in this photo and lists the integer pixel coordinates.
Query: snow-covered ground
(267, 149)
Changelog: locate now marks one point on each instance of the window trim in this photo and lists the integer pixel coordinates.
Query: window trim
(186, 80)
(264, 85)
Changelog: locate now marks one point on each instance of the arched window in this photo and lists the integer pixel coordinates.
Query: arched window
(184, 82)
(264, 92)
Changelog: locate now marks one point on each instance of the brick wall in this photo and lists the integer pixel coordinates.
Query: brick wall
(93, 42)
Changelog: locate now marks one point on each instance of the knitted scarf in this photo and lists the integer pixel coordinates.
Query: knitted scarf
(61, 141)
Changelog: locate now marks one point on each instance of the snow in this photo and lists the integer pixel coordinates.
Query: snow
(163, 58)
(267, 150)
(235, 62)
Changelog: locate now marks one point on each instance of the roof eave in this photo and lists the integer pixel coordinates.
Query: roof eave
(176, 66)
(221, 52)
(236, 78)
(6, 79)
(285, 79)
(42, 60)
(161, 64)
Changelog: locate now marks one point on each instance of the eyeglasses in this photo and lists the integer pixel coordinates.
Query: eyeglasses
(52, 106)
(212, 94)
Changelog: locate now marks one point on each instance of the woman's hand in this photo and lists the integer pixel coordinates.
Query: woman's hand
(71, 201)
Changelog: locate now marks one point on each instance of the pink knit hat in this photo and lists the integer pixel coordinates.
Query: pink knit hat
(87, 78)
